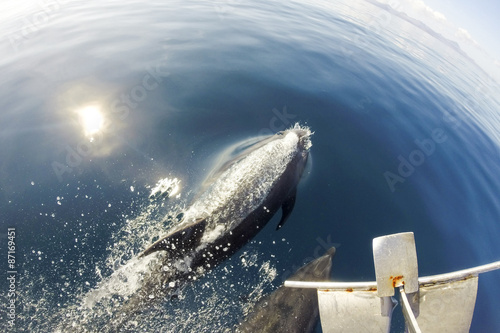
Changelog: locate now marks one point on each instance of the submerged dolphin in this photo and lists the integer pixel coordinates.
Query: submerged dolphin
(234, 207)
(289, 310)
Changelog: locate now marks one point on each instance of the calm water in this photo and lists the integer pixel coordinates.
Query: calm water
(406, 139)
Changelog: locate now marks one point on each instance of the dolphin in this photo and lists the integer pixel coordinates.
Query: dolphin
(238, 201)
(289, 310)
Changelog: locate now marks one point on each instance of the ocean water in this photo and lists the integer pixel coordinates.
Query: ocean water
(406, 139)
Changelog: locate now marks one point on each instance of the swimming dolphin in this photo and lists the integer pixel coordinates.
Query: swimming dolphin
(289, 310)
(238, 202)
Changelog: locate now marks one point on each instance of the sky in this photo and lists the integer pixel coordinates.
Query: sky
(473, 24)
(481, 18)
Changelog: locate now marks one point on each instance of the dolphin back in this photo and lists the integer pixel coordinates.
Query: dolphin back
(290, 310)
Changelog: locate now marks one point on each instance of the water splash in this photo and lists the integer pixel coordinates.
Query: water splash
(205, 306)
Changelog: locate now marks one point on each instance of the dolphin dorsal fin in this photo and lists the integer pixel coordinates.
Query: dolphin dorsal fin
(179, 240)
(287, 208)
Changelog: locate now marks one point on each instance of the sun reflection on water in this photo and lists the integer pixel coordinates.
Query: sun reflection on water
(92, 120)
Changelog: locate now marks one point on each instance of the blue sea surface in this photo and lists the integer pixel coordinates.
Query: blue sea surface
(406, 138)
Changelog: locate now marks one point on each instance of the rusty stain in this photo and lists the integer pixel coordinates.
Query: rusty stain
(349, 290)
(373, 289)
(396, 279)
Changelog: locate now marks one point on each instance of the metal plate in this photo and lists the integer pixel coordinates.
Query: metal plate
(447, 307)
(395, 258)
(354, 311)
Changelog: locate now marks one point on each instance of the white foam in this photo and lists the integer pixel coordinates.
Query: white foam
(166, 187)
(212, 235)
(124, 281)
(242, 187)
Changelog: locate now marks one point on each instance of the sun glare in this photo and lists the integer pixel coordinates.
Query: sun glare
(91, 119)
